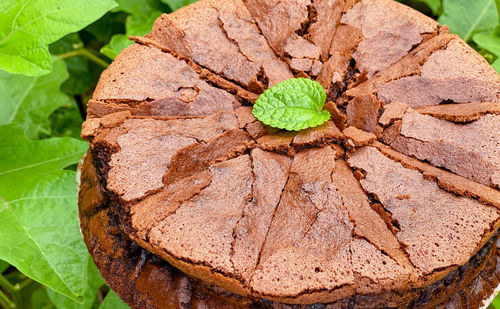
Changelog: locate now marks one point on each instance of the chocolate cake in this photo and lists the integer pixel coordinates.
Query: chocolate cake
(188, 201)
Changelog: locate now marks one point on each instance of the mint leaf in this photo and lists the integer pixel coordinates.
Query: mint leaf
(467, 17)
(28, 27)
(112, 301)
(28, 101)
(94, 282)
(38, 211)
(293, 105)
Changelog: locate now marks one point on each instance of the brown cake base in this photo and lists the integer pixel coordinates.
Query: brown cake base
(145, 281)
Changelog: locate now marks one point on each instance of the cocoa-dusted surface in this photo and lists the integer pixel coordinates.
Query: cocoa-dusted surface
(153, 283)
(248, 215)
(475, 145)
(456, 73)
(222, 37)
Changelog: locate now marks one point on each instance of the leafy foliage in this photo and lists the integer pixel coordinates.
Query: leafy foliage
(78, 67)
(28, 27)
(112, 301)
(61, 48)
(94, 282)
(35, 192)
(139, 22)
(293, 104)
(177, 4)
(28, 101)
(433, 5)
(466, 18)
(490, 41)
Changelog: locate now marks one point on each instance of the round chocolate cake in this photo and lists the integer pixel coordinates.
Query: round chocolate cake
(188, 201)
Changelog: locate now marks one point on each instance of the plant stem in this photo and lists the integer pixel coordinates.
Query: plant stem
(5, 302)
(7, 285)
(85, 53)
(25, 283)
(13, 290)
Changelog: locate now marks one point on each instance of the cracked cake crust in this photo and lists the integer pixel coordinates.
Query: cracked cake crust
(226, 211)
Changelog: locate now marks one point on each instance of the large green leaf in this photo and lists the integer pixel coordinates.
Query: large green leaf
(94, 282)
(489, 41)
(39, 229)
(112, 301)
(28, 101)
(468, 17)
(27, 27)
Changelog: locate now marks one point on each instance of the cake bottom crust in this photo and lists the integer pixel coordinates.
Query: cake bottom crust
(144, 281)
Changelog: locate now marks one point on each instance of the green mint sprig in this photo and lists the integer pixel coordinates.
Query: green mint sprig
(294, 104)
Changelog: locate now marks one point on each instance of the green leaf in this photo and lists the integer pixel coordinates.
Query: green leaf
(66, 121)
(434, 5)
(79, 79)
(489, 41)
(134, 7)
(112, 301)
(467, 17)
(496, 303)
(94, 282)
(293, 105)
(28, 101)
(139, 23)
(177, 4)
(40, 299)
(27, 27)
(118, 43)
(39, 229)
(496, 65)
(101, 31)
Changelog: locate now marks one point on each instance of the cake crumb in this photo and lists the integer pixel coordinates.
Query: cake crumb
(404, 197)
